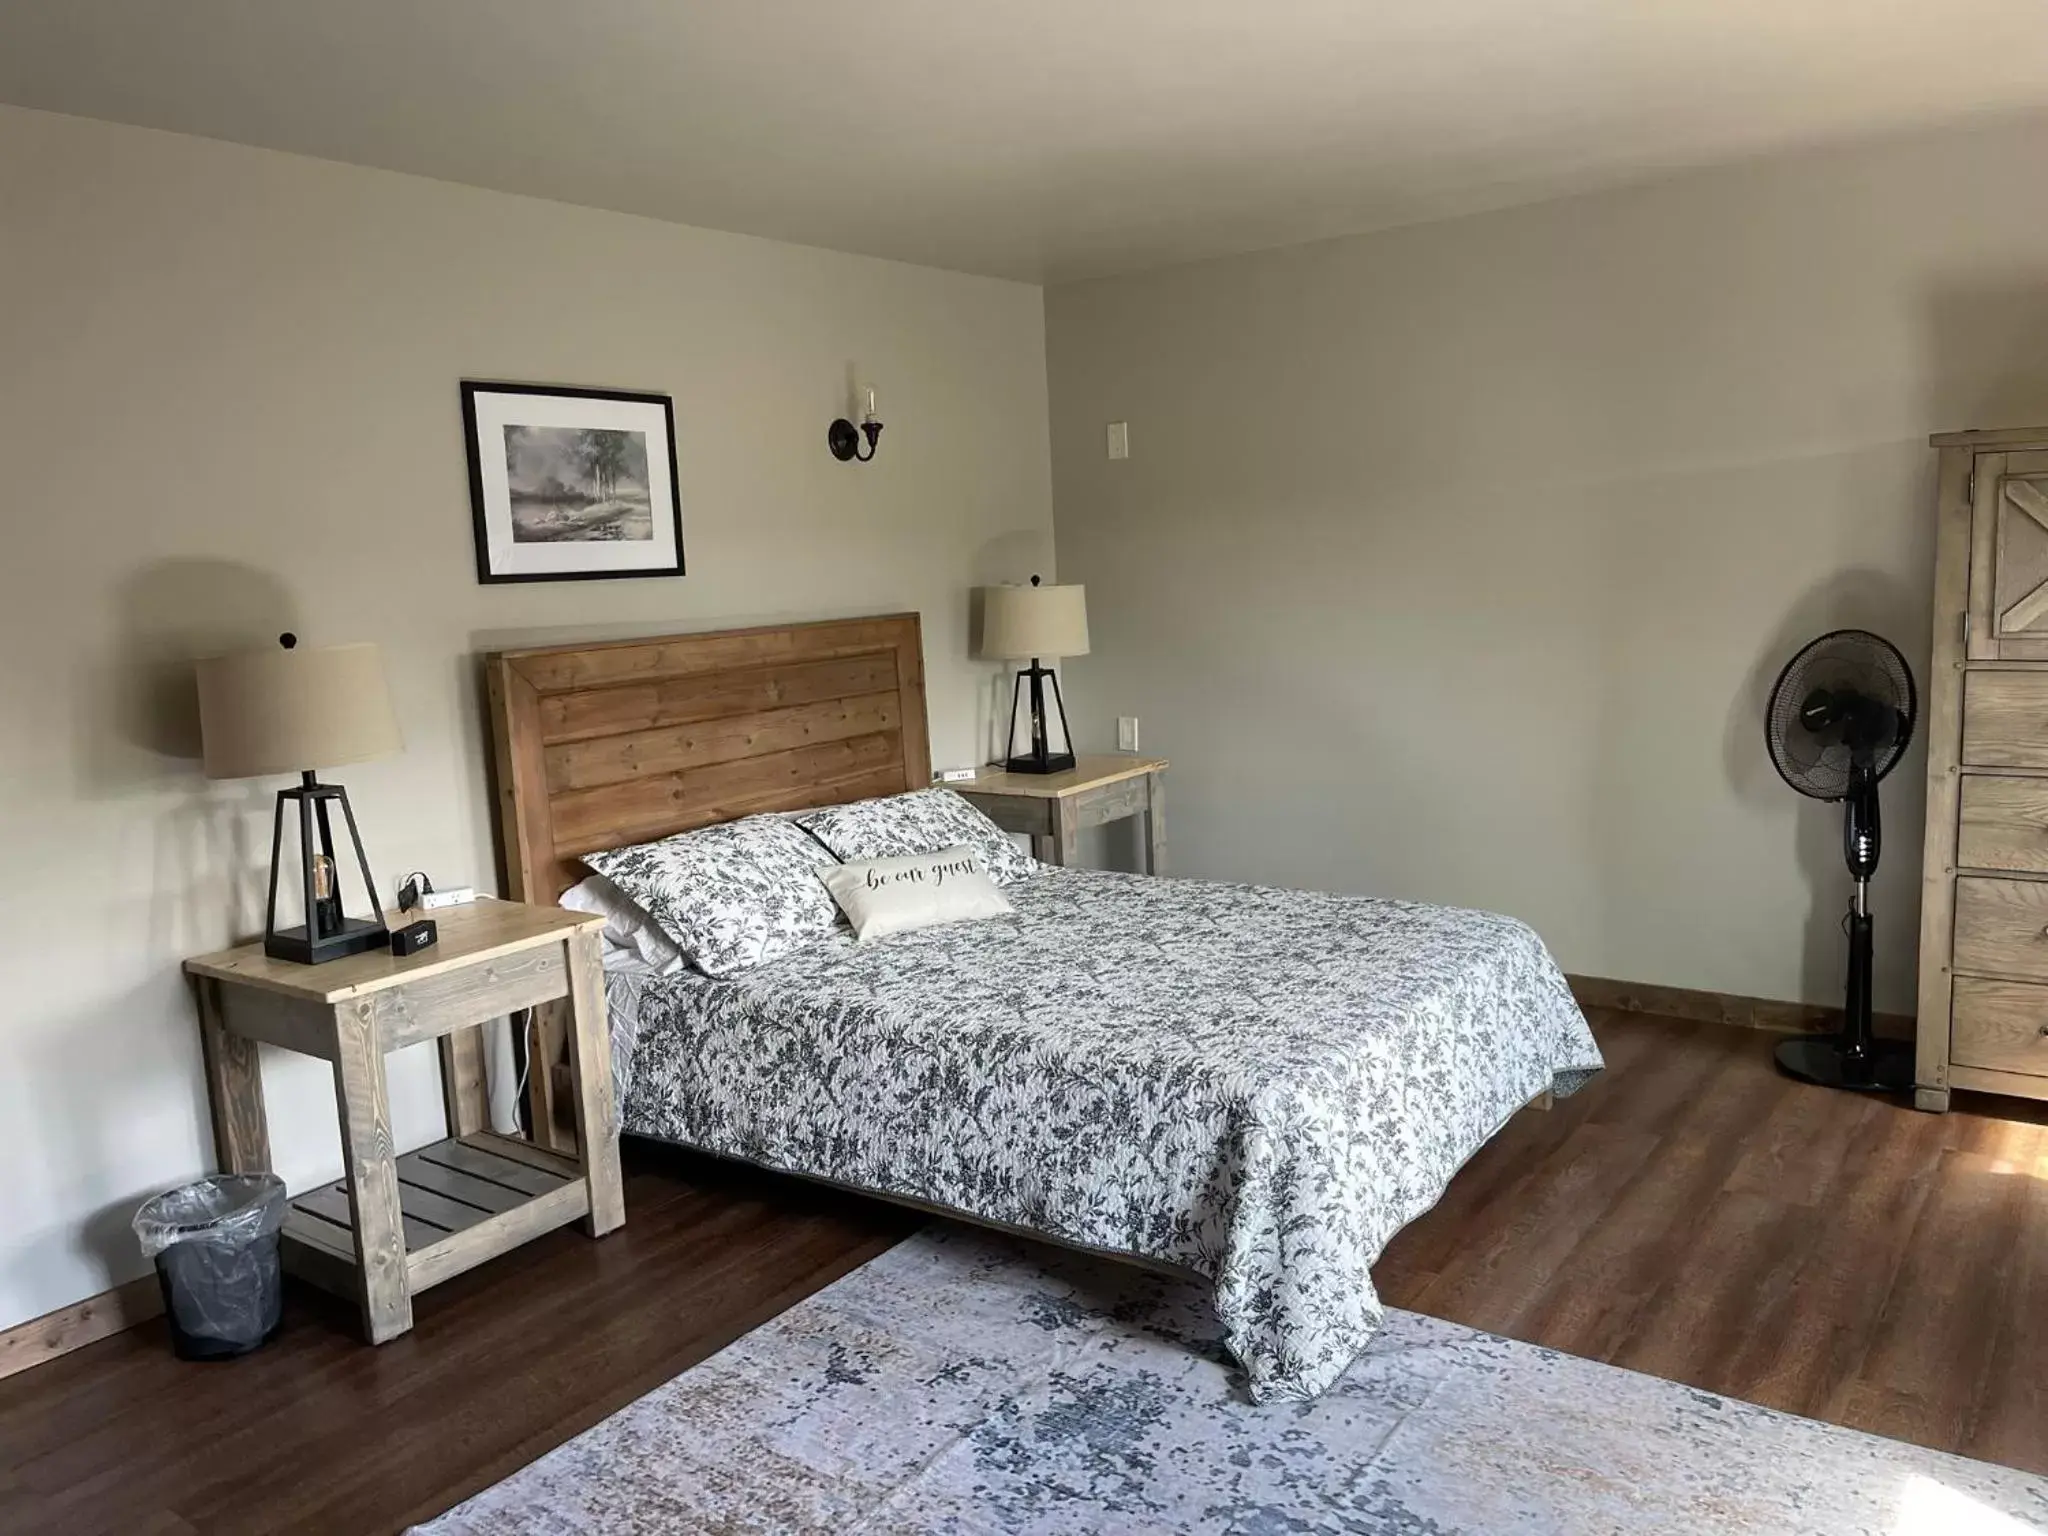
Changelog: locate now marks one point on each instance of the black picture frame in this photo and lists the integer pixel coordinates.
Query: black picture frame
(501, 557)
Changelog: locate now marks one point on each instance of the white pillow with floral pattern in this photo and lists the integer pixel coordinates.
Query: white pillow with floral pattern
(923, 821)
(732, 896)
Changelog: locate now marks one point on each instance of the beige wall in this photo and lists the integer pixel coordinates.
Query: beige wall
(228, 405)
(1455, 562)
(1449, 563)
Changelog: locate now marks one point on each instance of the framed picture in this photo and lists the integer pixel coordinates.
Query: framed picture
(572, 484)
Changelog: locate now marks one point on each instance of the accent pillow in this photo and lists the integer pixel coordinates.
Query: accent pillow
(731, 896)
(923, 821)
(626, 925)
(914, 890)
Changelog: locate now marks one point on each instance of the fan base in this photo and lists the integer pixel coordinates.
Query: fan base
(1821, 1059)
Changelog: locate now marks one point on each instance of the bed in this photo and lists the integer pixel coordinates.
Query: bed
(1259, 1086)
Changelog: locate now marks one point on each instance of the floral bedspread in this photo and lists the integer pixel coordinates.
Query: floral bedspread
(1262, 1086)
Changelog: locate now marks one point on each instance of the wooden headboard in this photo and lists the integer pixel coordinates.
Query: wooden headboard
(598, 746)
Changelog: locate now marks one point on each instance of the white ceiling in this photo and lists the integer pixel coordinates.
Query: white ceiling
(1041, 139)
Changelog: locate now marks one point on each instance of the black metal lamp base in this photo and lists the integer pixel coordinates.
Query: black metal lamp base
(327, 934)
(1055, 762)
(357, 935)
(1041, 758)
(1825, 1059)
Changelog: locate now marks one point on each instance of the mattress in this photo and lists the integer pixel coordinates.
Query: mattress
(1259, 1085)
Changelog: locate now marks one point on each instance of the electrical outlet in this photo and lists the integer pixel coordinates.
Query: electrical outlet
(1119, 439)
(1127, 733)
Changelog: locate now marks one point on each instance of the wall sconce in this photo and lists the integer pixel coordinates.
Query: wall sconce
(843, 437)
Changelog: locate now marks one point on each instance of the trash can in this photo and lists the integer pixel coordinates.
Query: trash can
(215, 1247)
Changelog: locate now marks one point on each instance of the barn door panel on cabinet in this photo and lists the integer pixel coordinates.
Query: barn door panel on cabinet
(2009, 585)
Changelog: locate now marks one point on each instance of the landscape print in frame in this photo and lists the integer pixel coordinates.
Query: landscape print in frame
(570, 484)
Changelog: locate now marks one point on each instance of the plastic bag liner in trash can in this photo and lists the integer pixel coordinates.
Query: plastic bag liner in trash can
(215, 1246)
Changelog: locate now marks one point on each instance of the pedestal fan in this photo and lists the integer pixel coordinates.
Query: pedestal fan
(1839, 719)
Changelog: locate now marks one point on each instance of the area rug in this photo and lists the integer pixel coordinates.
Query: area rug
(967, 1384)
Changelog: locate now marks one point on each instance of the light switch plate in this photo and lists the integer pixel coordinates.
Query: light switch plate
(1119, 439)
(1127, 733)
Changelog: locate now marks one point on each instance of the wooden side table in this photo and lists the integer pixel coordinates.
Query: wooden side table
(1055, 808)
(395, 1225)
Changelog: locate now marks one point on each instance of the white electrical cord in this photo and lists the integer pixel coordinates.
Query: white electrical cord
(525, 1054)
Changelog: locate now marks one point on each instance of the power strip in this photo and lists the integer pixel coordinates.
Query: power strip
(958, 775)
(455, 896)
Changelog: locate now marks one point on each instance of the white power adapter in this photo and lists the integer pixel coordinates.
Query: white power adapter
(455, 896)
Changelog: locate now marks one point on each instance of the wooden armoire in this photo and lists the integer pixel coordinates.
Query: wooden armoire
(1983, 1013)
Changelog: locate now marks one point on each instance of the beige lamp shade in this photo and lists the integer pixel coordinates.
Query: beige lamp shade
(285, 711)
(1021, 622)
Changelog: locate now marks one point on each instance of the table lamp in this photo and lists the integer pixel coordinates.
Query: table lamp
(1035, 622)
(274, 711)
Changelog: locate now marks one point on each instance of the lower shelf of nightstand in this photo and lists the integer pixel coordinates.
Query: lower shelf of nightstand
(465, 1200)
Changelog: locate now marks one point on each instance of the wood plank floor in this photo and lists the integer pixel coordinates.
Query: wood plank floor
(1691, 1214)
(1697, 1216)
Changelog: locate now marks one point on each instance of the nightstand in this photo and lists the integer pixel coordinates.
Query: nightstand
(1055, 808)
(395, 1225)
